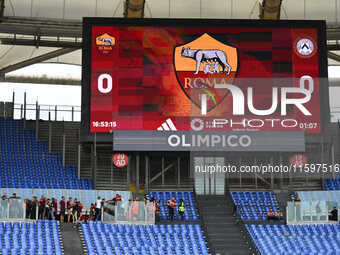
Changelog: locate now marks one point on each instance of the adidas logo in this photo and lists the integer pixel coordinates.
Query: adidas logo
(167, 126)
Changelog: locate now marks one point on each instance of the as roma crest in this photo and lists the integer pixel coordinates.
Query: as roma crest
(202, 63)
(104, 43)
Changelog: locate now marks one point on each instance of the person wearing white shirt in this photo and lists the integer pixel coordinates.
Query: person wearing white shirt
(98, 208)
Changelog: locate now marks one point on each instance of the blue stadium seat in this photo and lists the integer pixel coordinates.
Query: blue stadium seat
(140, 239)
(254, 205)
(190, 212)
(299, 239)
(41, 237)
(332, 184)
(26, 163)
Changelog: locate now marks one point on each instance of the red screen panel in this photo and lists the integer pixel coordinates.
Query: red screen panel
(149, 78)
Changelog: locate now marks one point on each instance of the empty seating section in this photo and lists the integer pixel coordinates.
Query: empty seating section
(332, 184)
(85, 196)
(38, 238)
(254, 205)
(26, 163)
(143, 239)
(298, 239)
(190, 212)
(309, 196)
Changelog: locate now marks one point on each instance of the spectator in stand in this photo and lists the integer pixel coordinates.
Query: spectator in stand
(68, 207)
(80, 208)
(135, 209)
(42, 204)
(118, 200)
(81, 220)
(98, 208)
(4, 202)
(35, 204)
(146, 200)
(158, 210)
(75, 210)
(54, 208)
(271, 214)
(334, 214)
(62, 208)
(297, 203)
(28, 208)
(14, 207)
(92, 212)
(181, 209)
(47, 215)
(153, 209)
(318, 211)
(279, 215)
(115, 199)
(172, 206)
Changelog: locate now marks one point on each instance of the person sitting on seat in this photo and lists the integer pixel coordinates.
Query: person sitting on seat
(82, 219)
(334, 214)
(279, 215)
(271, 214)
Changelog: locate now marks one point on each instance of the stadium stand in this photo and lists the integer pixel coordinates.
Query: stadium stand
(254, 205)
(189, 214)
(138, 239)
(26, 163)
(38, 238)
(332, 184)
(299, 239)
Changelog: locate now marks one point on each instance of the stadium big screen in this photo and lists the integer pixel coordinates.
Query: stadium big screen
(156, 74)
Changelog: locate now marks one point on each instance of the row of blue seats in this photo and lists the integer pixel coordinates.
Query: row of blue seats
(255, 213)
(332, 184)
(164, 197)
(131, 239)
(41, 237)
(17, 170)
(299, 239)
(254, 205)
(190, 212)
(41, 183)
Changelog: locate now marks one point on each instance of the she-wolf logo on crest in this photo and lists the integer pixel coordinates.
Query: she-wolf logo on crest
(104, 43)
(202, 63)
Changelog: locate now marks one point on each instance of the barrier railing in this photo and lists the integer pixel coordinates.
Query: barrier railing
(47, 112)
(331, 195)
(86, 197)
(14, 209)
(317, 212)
(129, 212)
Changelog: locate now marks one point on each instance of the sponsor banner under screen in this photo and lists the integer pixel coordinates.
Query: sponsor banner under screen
(125, 140)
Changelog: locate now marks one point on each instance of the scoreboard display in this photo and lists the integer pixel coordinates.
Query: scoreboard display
(210, 75)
